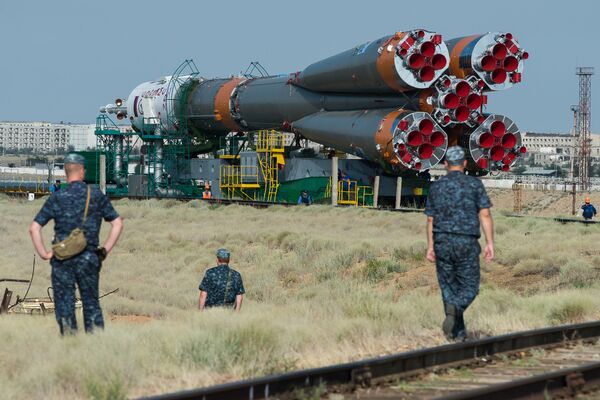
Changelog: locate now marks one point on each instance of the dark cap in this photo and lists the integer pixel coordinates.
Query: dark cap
(73, 158)
(455, 155)
(223, 254)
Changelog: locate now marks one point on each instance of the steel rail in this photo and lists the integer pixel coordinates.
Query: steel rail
(362, 373)
(565, 382)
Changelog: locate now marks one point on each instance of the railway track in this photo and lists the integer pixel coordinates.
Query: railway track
(556, 362)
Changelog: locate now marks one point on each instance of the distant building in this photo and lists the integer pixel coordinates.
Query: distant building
(551, 148)
(46, 137)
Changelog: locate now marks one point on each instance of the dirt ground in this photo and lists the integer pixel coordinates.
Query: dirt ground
(538, 203)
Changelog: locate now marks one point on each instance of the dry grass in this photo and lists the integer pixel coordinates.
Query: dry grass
(323, 286)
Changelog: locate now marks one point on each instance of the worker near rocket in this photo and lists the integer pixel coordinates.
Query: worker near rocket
(589, 211)
(456, 205)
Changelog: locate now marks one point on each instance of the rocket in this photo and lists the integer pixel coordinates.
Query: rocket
(399, 100)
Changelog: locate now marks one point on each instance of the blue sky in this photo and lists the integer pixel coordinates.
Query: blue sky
(63, 59)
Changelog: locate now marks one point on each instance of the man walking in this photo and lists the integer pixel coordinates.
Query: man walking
(221, 286)
(456, 205)
(84, 207)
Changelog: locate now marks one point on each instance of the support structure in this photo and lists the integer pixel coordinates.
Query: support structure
(334, 181)
(398, 192)
(376, 192)
(102, 168)
(584, 123)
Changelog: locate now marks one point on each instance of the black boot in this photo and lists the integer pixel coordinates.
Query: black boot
(450, 321)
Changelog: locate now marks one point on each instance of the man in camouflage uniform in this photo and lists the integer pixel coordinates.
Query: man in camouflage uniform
(456, 205)
(222, 285)
(66, 208)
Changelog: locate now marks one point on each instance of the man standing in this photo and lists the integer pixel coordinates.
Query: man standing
(221, 285)
(67, 208)
(589, 211)
(456, 205)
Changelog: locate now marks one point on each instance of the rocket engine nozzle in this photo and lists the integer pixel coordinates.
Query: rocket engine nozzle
(419, 141)
(496, 143)
(496, 58)
(457, 101)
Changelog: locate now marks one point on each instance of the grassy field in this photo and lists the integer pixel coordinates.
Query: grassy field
(323, 286)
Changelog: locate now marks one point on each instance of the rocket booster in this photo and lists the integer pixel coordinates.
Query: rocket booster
(394, 100)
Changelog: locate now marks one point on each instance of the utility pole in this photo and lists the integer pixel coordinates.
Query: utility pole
(573, 149)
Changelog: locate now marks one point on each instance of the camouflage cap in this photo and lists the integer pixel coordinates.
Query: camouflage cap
(223, 254)
(455, 155)
(73, 158)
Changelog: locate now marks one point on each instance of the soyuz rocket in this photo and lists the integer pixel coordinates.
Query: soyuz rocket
(400, 100)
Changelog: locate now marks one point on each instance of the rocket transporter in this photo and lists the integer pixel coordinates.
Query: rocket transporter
(400, 100)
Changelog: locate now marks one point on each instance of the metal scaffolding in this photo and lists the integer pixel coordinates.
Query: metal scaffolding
(583, 124)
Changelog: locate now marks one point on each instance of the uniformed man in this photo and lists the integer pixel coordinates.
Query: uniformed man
(305, 198)
(66, 207)
(221, 285)
(456, 205)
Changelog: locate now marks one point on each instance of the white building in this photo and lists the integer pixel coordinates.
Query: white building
(549, 148)
(46, 137)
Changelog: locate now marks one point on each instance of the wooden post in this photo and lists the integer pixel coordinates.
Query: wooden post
(376, 192)
(102, 167)
(334, 181)
(574, 195)
(398, 192)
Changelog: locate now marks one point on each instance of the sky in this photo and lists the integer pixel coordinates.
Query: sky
(63, 59)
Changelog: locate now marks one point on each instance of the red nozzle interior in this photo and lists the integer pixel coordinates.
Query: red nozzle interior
(481, 84)
(401, 146)
(498, 128)
(482, 163)
(505, 168)
(447, 82)
(407, 158)
(418, 165)
(438, 61)
(421, 33)
(499, 75)
(485, 140)
(511, 63)
(510, 157)
(480, 119)
(497, 153)
(414, 138)
(426, 126)
(427, 49)
(446, 119)
(403, 124)
(425, 151)
(427, 73)
(499, 51)
(474, 101)
(416, 61)
(402, 52)
(451, 101)
(461, 114)
(523, 150)
(509, 141)
(462, 88)
(487, 63)
(525, 55)
(508, 35)
(438, 138)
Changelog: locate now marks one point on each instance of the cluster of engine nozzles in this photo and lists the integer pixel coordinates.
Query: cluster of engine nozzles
(478, 65)
(443, 86)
